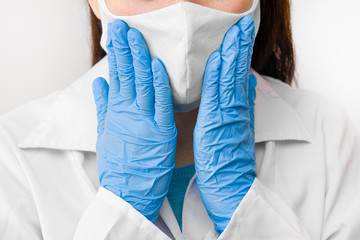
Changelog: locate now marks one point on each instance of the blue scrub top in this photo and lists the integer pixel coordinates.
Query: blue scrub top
(178, 185)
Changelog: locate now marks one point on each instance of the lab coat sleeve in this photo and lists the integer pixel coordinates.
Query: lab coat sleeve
(110, 217)
(342, 205)
(264, 215)
(18, 214)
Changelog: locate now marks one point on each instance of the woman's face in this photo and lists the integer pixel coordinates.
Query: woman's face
(133, 7)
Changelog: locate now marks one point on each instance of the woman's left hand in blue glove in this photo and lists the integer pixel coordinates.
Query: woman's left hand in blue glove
(224, 145)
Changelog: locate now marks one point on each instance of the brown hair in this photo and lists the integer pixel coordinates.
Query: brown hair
(273, 50)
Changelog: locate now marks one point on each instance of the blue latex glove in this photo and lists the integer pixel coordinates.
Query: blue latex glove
(136, 130)
(224, 146)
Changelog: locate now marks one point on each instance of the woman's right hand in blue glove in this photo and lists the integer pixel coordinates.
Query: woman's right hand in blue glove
(136, 130)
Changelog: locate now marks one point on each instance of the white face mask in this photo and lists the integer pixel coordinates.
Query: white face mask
(183, 36)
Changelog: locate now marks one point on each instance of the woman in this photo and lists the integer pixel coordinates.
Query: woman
(305, 185)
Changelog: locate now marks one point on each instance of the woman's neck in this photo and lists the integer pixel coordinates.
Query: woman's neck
(185, 123)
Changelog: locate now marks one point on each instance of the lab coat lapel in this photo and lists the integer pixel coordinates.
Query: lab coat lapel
(275, 119)
(71, 121)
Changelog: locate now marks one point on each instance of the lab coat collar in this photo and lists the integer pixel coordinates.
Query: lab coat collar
(71, 123)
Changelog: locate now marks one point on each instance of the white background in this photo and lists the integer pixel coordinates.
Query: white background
(45, 45)
(327, 43)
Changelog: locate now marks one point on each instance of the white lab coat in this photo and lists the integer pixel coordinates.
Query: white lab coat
(307, 185)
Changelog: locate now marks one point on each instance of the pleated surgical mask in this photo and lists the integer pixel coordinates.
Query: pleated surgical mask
(183, 36)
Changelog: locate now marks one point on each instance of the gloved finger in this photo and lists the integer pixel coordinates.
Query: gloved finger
(142, 67)
(164, 115)
(243, 62)
(100, 91)
(210, 87)
(114, 89)
(124, 61)
(252, 42)
(229, 52)
(252, 97)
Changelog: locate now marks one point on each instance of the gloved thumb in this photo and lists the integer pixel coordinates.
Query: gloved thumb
(101, 93)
